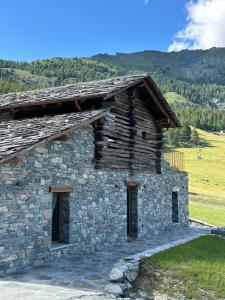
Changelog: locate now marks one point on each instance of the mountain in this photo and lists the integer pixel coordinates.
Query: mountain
(196, 75)
(194, 66)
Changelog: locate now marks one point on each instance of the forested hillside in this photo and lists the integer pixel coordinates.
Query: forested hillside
(196, 66)
(209, 119)
(20, 76)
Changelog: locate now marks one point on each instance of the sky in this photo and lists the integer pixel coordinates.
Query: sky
(33, 29)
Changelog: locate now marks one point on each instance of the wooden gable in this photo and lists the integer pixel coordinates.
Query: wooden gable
(131, 137)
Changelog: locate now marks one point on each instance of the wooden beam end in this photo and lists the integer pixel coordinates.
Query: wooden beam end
(64, 137)
(14, 160)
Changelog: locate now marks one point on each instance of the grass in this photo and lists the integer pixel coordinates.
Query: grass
(206, 168)
(209, 209)
(195, 270)
(174, 98)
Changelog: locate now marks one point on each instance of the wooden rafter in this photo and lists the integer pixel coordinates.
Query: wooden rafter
(64, 137)
(158, 104)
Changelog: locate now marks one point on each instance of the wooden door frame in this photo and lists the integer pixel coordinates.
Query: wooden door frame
(59, 220)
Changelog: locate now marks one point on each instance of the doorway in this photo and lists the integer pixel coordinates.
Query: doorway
(132, 213)
(60, 218)
(56, 218)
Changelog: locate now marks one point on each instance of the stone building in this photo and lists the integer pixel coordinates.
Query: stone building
(81, 170)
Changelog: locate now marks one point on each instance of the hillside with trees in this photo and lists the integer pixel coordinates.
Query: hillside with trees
(20, 76)
(194, 66)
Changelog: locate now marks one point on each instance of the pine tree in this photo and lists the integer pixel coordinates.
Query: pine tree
(194, 137)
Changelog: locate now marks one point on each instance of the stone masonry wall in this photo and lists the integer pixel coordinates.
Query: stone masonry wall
(97, 207)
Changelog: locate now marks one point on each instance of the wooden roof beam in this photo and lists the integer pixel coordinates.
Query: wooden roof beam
(14, 160)
(77, 105)
(64, 137)
(31, 104)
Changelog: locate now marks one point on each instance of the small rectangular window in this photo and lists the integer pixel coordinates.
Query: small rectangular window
(60, 218)
(175, 207)
(132, 212)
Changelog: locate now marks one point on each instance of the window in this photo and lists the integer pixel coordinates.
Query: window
(132, 212)
(175, 207)
(60, 218)
(144, 135)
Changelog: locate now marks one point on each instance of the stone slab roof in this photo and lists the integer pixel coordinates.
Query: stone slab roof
(103, 89)
(19, 136)
(69, 92)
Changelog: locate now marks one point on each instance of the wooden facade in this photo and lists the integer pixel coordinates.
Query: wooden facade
(130, 137)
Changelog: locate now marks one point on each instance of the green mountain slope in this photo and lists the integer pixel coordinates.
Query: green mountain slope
(197, 66)
(16, 76)
(174, 98)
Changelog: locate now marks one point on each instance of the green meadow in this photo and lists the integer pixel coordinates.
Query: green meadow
(206, 168)
(194, 269)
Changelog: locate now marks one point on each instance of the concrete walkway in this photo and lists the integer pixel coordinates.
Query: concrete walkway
(67, 279)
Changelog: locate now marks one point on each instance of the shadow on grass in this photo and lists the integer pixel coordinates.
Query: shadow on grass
(194, 194)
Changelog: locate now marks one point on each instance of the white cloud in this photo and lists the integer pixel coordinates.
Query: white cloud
(205, 26)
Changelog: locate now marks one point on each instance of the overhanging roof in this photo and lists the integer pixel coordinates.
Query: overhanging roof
(103, 89)
(19, 136)
(83, 90)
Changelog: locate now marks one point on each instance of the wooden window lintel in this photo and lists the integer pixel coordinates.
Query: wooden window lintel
(132, 183)
(61, 189)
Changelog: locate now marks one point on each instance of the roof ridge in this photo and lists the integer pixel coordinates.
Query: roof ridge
(96, 88)
(140, 76)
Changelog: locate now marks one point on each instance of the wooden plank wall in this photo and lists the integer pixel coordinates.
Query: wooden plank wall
(130, 137)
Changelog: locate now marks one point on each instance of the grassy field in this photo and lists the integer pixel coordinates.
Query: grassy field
(195, 270)
(206, 168)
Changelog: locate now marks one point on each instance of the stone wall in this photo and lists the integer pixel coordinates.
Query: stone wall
(97, 207)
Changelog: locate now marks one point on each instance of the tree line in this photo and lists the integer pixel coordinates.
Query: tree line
(205, 118)
(191, 118)
(181, 137)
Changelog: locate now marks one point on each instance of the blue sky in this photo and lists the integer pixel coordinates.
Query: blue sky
(32, 29)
